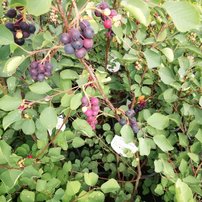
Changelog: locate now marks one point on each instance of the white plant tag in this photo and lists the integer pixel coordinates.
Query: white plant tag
(59, 124)
(118, 144)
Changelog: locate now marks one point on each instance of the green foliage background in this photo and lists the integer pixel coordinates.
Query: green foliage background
(158, 47)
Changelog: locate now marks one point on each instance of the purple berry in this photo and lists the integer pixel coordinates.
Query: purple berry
(69, 49)
(47, 73)
(88, 33)
(26, 34)
(10, 26)
(41, 68)
(78, 44)
(20, 42)
(75, 34)
(88, 43)
(40, 77)
(83, 24)
(122, 121)
(48, 66)
(11, 13)
(80, 53)
(135, 128)
(34, 64)
(24, 26)
(130, 113)
(32, 29)
(33, 72)
(84, 100)
(65, 38)
(97, 13)
(103, 5)
(113, 13)
(133, 120)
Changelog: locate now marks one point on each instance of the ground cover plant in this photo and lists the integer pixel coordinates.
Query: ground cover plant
(100, 100)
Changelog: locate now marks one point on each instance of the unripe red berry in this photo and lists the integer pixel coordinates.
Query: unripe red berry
(107, 24)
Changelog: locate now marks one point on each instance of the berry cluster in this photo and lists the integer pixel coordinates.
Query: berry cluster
(91, 109)
(132, 120)
(20, 29)
(78, 42)
(38, 71)
(108, 17)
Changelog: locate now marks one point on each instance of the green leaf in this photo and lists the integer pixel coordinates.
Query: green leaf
(5, 152)
(78, 142)
(166, 75)
(168, 52)
(153, 59)
(6, 37)
(98, 195)
(193, 157)
(8, 103)
(127, 133)
(199, 135)
(48, 118)
(41, 185)
(144, 146)
(28, 127)
(170, 95)
(40, 87)
(162, 143)
(158, 121)
(10, 118)
(90, 178)
(83, 126)
(139, 9)
(73, 187)
(14, 3)
(27, 196)
(69, 74)
(183, 192)
(75, 101)
(12, 64)
(184, 15)
(11, 83)
(37, 8)
(10, 177)
(111, 186)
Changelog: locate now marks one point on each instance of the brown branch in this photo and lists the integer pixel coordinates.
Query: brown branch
(198, 169)
(3, 87)
(59, 4)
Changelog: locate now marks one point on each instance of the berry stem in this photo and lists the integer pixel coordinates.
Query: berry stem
(99, 87)
(77, 13)
(60, 8)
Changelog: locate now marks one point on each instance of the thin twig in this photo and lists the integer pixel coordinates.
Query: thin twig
(99, 87)
(59, 4)
(54, 138)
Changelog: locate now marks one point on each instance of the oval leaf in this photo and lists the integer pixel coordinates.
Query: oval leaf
(158, 121)
(12, 64)
(40, 87)
(48, 118)
(6, 37)
(162, 143)
(90, 178)
(184, 14)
